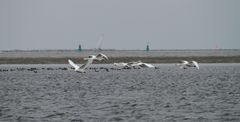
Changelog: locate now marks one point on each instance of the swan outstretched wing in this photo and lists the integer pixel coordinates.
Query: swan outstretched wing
(99, 44)
(195, 64)
(146, 65)
(89, 61)
(133, 63)
(120, 64)
(75, 66)
(184, 62)
(102, 56)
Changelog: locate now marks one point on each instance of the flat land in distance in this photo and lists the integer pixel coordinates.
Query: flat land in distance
(157, 56)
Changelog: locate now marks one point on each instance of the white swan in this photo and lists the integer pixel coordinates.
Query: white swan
(194, 64)
(146, 65)
(98, 57)
(134, 64)
(78, 68)
(90, 59)
(184, 64)
(141, 64)
(121, 64)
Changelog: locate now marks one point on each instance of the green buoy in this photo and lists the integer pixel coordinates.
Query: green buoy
(147, 48)
(79, 48)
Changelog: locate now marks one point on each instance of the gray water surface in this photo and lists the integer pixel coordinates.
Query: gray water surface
(105, 93)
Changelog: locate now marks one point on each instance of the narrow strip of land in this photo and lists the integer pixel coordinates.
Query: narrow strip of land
(162, 59)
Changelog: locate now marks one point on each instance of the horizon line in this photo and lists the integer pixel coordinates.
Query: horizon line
(26, 50)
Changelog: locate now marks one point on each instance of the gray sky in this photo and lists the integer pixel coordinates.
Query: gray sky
(126, 24)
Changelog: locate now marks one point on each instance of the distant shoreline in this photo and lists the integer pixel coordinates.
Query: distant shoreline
(153, 56)
(43, 50)
(165, 59)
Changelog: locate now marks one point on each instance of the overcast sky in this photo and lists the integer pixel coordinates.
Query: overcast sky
(126, 24)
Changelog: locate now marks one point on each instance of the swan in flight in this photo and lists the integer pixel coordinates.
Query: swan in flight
(98, 57)
(100, 41)
(121, 64)
(89, 59)
(78, 68)
(134, 64)
(184, 64)
(146, 65)
(141, 64)
(194, 64)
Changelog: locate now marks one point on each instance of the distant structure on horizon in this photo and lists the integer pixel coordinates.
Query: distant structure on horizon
(79, 48)
(147, 47)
